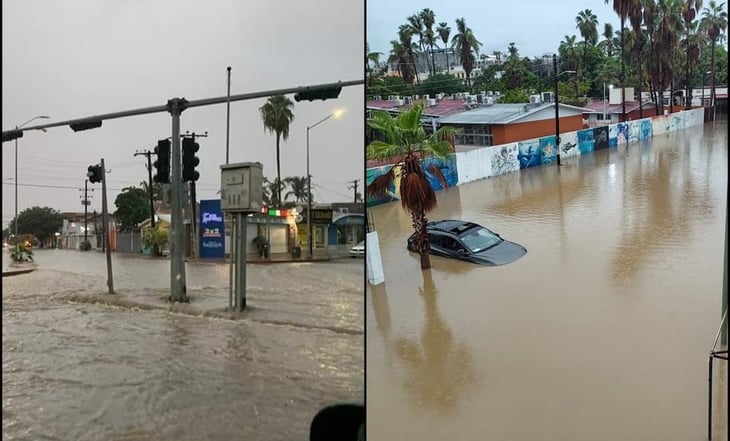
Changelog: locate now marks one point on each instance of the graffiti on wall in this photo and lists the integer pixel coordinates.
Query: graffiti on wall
(548, 150)
(645, 129)
(529, 153)
(391, 193)
(569, 145)
(505, 158)
(600, 138)
(585, 141)
(447, 166)
(622, 133)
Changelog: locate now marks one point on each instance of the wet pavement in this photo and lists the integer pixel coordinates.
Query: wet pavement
(82, 364)
(601, 332)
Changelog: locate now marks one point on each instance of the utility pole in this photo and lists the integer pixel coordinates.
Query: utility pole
(354, 187)
(149, 154)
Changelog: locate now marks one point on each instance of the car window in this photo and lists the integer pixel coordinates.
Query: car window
(451, 244)
(435, 239)
(479, 239)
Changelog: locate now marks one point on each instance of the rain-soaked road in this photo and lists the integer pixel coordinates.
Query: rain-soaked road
(601, 332)
(74, 370)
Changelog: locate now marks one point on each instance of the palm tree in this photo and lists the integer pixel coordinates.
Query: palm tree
(271, 190)
(665, 26)
(399, 55)
(466, 43)
(714, 22)
(428, 17)
(277, 116)
(405, 34)
(622, 8)
(444, 30)
(156, 190)
(635, 18)
(586, 22)
(298, 186)
(689, 12)
(372, 58)
(607, 45)
(415, 23)
(406, 140)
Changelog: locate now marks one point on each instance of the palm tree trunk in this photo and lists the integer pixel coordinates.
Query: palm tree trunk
(641, 77)
(688, 92)
(433, 60)
(623, 75)
(712, 82)
(278, 168)
(422, 242)
(446, 51)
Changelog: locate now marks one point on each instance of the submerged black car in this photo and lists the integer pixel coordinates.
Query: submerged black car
(469, 241)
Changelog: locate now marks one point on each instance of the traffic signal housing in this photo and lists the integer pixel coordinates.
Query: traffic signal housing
(94, 173)
(318, 94)
(189, 160)
(162, 164)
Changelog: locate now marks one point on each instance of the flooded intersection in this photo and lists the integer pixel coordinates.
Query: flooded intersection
(133, 370)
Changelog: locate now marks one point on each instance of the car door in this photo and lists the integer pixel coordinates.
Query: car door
(454, 248)
(436, 243)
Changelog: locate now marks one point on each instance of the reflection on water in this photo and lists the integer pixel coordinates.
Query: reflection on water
(600, 332)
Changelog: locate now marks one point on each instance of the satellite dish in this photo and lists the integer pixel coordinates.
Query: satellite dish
(299, 218)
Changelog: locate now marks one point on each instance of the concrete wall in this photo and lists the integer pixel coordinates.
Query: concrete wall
(481, 163)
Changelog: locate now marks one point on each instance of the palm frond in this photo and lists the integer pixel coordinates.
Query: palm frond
(439, 175)
(381, 184)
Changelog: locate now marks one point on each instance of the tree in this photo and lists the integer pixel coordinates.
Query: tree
(277, 117)
(428, 17)
(586, 23)
(157, 191)
(272, 191)
(156, 238)
(132, 208)
(467, 45)
(298, 186)
(714, 23)
(43, 223)
(399, 55)
(608, 45)
(623, 8)
(444, 31)
(441, 83)
(406, 140)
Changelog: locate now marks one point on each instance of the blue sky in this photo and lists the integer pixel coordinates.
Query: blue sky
(535, 26)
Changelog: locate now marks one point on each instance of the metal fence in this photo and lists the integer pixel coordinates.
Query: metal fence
(129, 242)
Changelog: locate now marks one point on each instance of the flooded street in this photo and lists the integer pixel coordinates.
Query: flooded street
(134, 370)
(601, 332)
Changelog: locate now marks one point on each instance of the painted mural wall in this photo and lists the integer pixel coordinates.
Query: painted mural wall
(470, 166)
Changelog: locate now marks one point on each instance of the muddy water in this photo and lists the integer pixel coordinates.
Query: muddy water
(600, 332)
(74, 370)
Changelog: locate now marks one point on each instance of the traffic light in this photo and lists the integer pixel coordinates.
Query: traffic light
(162, 164)
(189, 160)
(12, 134)
(94, 173)
(318, 94)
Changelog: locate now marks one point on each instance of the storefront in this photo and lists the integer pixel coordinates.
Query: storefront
(346, 231)
(321, 220)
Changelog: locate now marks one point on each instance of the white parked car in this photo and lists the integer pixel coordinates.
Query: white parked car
(358, 250)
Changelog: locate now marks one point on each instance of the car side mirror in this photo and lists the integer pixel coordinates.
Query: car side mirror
(461, 251)
(341, 422)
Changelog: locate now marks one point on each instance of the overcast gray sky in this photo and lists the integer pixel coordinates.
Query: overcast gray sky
(85, 57)
(535, 26)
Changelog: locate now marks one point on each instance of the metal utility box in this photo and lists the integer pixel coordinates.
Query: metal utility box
(241, 187)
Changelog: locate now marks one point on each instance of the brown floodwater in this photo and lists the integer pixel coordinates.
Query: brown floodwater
(601, 332)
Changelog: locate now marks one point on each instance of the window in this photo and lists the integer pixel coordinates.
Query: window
(473, 134)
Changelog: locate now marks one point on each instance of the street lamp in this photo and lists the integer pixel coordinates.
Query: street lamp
(610, 86)
(557, 115)
(15, 227)
(336, 114)
(704, 109)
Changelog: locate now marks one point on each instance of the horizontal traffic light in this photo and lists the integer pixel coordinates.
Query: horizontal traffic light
(311, 94)
(12, 134)
(85, 125)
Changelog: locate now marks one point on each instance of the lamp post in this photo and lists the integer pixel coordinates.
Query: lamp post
(557, 113)
(610, 86)
(704, 109)
(335, 114)
(15, 227)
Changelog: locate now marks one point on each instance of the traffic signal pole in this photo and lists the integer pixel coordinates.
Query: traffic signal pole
(178, 288)
(175, 107)
(107, 235)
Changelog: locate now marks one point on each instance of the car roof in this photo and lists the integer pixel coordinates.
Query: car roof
(451, 225)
